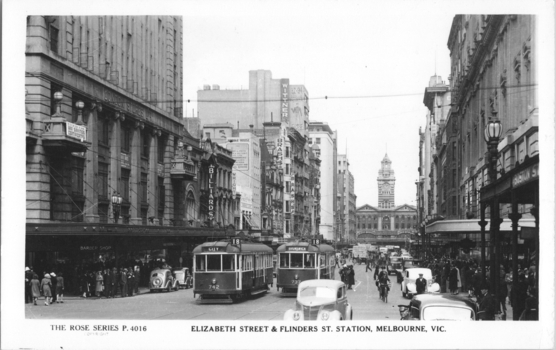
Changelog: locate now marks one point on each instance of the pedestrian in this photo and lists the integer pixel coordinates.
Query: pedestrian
(350, 276)
(99, 281)
(421, 284)
(114, 282)
(137, 274)
(343, 274)
(477, 281)
(487, 305)
(502, 294)
(509, 282)
(59, 288)
(368, 266)
(453, 280)
(532, 278)
(123, 283)
(107, 287)
(130, 281)
(46, 287)
(518, 296)
(35, 287)
(28, 277)
(468, 279)
(531, 306)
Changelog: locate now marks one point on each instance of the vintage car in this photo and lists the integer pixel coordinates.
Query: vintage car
(410, 275)
(162, 279)
(184, 277)
(394, 265)
(439, 307)
(320, 300)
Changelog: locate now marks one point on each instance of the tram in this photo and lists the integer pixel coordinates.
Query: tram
(229, 270)
(302, 260)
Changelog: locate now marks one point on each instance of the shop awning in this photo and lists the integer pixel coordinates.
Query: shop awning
(470, 226)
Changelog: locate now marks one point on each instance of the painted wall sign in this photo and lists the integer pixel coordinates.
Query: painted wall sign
(240, 153)
(125, 161)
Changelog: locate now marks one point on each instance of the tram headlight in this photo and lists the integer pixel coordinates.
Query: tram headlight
(324, 315)
(296, 277)
(214, 281)
(296, 316)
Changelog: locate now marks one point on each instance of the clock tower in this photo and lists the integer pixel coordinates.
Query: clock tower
(386, 184)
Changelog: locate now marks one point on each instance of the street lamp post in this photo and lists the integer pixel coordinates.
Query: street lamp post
(492, 133)
(116, 205)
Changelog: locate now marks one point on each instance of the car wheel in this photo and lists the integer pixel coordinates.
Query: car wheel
(168, 288)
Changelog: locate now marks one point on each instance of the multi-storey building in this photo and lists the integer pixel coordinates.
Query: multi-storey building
(103, 134)
(282, 109)
(246, 152)
(493, 80)
(346, 190)
(386, 223)
(323, 140)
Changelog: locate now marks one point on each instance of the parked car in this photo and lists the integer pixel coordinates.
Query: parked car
(162, 279)
(410, 275)
(184, 277)
(321, 300)
(439, 307)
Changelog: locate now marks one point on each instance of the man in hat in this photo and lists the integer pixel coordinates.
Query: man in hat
(487, 305)
(421, 284)
(28, 278)
(54, 283)
(114, 283)
(343, 274)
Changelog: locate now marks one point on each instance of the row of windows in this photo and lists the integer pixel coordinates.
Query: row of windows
(397, 217)
(230, 262)
(385, 225)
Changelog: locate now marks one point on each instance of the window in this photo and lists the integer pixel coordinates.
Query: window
(145, 144)
(287, 225)
(288, 207)
(124, 184)
(161, 195)
(228, 262)
(200, 263)
(214, 262)
(161, 149)
(318, 140)
(102, 130)
(287, 169)
(125, 139)
(54, 38)
(143, 188)
(287, 151)
(77, 176)
(102, 179)
(310, 141)
(288, 186)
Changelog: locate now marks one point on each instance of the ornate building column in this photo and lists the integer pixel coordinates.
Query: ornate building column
(135, 178)
(152, 178)
(91, 168)
(168, 186)
(115, 154)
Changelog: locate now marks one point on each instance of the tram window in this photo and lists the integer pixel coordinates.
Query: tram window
(322, 260)
(228, 262)
(296, 260)
(200, 263)
(247, 262)
(284, 260)
(309, 260)
(214, 262)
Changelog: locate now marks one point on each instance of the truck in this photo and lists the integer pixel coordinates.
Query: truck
(360, 253)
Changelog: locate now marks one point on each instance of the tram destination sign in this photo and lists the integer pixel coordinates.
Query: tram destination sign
(213, 249)
(296, 248)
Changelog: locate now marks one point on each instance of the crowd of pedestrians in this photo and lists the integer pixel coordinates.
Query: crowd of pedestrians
(95, 279)
(457, 276)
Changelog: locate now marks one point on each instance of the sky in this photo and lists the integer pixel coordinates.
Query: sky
(356, 53)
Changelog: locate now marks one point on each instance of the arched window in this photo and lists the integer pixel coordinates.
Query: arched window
(190, 207)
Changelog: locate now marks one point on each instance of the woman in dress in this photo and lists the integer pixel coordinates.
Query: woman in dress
(99, 283)
(35, 288)
(46, 285)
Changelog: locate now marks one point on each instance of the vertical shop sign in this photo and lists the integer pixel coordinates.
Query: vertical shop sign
(284, 105)
(212, 186)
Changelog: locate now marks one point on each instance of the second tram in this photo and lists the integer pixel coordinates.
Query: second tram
(300, 261)
(229, 270)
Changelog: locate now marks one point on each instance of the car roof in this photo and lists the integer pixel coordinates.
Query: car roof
(441, 299)
(321, 283)
(160, 270)
(418, 270)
